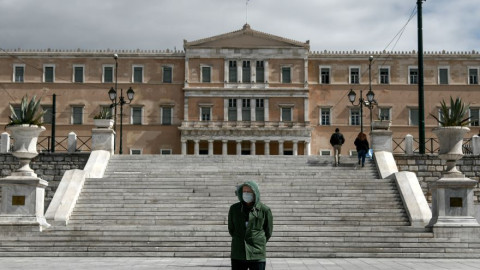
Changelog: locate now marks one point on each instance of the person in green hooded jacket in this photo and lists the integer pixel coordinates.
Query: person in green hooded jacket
(250, 223)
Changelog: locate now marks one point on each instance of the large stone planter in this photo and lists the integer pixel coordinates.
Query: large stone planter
(103, 123)
(381, 125)
(25, 146)
(451, 142)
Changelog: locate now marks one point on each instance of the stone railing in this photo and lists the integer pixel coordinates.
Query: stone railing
(409, 145)
(71, 143)
(243, 124)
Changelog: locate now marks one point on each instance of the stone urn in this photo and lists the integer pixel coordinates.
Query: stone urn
(381, 125)
(25, 146)
(451, 142)
(103, 123)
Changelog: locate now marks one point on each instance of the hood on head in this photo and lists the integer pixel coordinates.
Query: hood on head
(254, 186)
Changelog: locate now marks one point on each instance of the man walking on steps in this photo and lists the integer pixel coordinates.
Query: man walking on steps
(336, 140)
(250, 223)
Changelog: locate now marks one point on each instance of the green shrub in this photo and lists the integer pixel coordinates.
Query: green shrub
(455, 115)
(31, 113)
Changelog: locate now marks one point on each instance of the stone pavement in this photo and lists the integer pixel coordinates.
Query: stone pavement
(135, 263)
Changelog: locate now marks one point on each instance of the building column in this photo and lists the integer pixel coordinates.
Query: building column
(225, 110)
(267, 110)
(295, 148)
(253, 116)
(239, 109)
(224, 147)
(210, 147)
(280, 147)
(267, 148)
(184, 147)
(239, 147)
(185, 109)
(226, 73)
(305, 112)
(252, 147)
(307, 148)
(196, 148)
(266, 71)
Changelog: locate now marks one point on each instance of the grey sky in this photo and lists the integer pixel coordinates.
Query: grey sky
(163, 24)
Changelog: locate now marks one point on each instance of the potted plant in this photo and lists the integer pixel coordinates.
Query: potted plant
(453, 121)
(103, 119)
(25, 127)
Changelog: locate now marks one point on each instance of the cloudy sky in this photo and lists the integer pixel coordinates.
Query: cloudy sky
(452, 25)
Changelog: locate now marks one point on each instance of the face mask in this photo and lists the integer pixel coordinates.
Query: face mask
(247, 197)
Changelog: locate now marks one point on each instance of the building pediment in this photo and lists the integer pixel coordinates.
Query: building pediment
(246, 38)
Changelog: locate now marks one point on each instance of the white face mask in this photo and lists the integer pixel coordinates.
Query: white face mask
(247, 197)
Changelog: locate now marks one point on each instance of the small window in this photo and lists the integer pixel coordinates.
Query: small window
(206, 74)
(384, 75)
(259, 110)
(384, 114)
(413, 117)
(17, 109)
(325, 75)
(165, 151)
(136, 115)
(473, 76)
(47, 117)
(246, 111)
(325, 116)
(18, 73)
(260, 72)
(167, 74)
(354, 75)
(286, 114)
(474, 117)
(246, 72)
(325, 152)
(205, 113)
(78, 74)
(355, 117)
(443, 75)
(232, 109)
(135, 151)
(107, 74)
(166, 115)
(77, 115)
(138, 74)
(49, 73)
(413, 75)
(232, 71)
(286, 75)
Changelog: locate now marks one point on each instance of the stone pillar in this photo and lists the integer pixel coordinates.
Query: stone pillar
(267, 148)
(210, 147)
(5, 143)
(295, 148)
(280, 147)
(103, 139)
(307, 148)
(475, 144)
(267, 109)
(409, 144)
(305, 112)
(252, 147)
(239, 109)
(224, 147)
(381, 140)
(184, 147)
(71, 142)
(239, 147)
(196, 147)
(225, 110)
(185, 109)
(253, 104)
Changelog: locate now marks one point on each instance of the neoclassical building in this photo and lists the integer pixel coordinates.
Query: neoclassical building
(243, 92)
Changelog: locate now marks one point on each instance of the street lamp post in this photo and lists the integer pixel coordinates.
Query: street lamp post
(121, 101)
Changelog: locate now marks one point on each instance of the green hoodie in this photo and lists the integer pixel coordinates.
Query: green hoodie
(249, 242)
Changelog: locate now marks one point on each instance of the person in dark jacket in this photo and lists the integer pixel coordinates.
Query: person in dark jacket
(337, 140)
(250, 223)
(362, 147)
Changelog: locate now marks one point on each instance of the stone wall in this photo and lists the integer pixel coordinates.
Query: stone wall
(429, 168)
(48, 166)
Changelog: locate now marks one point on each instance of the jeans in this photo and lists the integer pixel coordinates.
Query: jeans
(245, 265)
(361, 156)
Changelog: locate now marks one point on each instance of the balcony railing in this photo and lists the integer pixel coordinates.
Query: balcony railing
(244, 124)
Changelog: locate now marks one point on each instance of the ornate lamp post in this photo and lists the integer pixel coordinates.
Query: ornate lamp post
(113, 97)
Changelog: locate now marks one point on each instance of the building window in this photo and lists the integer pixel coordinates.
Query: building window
(324, 75)
(325, 116)
(166, 115)
(286, 75)
(474, 117)
(246, 111)
(443, 75)
(384, 75)
(18, 73)
(205, 113)
(232, 109)
(246, 72)
(413, 117)
(77, 115)
(78, 74)
(136, 118)
(49, 73)
(286, 114)
(355, 117)
(206, 74)
(137, 74)
(165, 151)
(354, 75)
(167, 74)
(259, 110)
(47, 117)
(384, 114)
(260, 72)
(473, 76)
(17, 109)
(413, 75)
(232, 71)
(107, 74)
(325, 152)
(135, 151)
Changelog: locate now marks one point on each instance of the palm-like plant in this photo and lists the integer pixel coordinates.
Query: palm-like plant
(455, 115)
(31, 113)
(104, 113)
